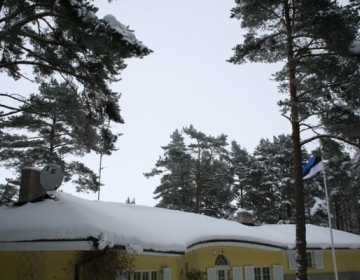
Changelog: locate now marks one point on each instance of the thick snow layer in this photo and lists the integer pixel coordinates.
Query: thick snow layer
(120, 28)
(71, 218)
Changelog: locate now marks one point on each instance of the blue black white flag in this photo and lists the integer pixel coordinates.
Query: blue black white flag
(313, 166)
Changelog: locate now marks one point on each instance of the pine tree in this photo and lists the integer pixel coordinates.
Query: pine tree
(274, 161)
(355, 193)
(275, 197)
(246, 176)
(314, 38)
(206, 150)
(195, 177)
(65, 38)
(176, 187)
(340, 184)
(53, 126)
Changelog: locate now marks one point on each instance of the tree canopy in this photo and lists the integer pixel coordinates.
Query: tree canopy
(195, 176)
(316, 41)
(65, 38)
(74, 57)
(53, 126)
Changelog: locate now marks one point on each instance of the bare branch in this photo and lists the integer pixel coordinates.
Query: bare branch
(330, 136)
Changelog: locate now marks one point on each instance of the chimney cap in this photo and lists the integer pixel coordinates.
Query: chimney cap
(242, 210)
(31, 168)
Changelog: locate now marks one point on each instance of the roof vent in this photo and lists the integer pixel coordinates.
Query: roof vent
(245, 217)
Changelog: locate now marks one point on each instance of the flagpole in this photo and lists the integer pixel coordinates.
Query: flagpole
(330, 226)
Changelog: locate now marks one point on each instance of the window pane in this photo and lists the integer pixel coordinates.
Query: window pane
(221, 274)
(309, 259)
(153, 275)
(266, 273)
(257, 273)
(145, 275)
(221, 260)
(137, 275)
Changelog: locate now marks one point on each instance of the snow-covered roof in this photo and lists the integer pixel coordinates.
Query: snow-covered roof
(68, 217)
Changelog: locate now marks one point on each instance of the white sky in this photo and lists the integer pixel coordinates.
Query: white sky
(186, 80)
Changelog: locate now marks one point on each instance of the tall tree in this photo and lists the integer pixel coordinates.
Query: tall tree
(204, 151)
(66, 38)
(341, 185)
(195, 177)
(315, 39)
(276, 197)
(246, 176)
(56, 126)
(176, 189)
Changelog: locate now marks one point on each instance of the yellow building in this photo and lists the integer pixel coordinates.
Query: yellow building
(41, 241)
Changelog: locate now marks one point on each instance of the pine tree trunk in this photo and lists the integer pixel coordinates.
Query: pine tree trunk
(337, 214)
(301, 258)
(198, 188)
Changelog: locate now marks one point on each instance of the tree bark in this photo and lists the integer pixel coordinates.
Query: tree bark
(301, 258)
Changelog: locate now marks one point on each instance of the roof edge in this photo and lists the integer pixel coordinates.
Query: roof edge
(58, 245)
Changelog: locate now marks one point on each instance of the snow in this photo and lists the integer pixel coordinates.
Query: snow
(319, 206)
(84, 12)
(119, 27)
(355, 47)
(242, 210)
(146, 228)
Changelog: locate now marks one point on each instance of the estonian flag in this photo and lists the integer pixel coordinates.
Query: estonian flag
(313, 166)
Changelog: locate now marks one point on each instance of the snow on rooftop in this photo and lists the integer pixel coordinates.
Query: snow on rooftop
(71, 218)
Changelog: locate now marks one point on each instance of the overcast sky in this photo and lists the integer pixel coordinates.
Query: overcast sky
(186, 80)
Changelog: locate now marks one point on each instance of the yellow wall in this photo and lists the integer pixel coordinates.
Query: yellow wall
(154, 262)
(54, 265)
(347, 260)
(8, 265)
(203, 258)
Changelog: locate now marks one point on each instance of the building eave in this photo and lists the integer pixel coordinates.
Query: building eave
(58, 245)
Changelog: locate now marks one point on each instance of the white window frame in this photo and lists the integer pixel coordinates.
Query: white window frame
(278, 272)
(145, 271)
(211, 273)
(317, 260)
(237, 273)
(310, 259)
(166, 273)
(225, 270)
(250, 272)
(261, 269)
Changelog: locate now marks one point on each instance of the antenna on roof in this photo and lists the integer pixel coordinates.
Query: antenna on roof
(51, 177)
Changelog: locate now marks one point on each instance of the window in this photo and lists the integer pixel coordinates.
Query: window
(221, 260)
(310, 262)
(262, 273)
(221, 274)
(221, 268)
(314, 259)
(145, 275)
